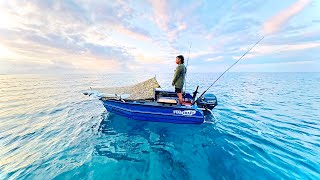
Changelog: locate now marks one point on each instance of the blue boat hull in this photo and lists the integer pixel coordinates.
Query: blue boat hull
(156, 113)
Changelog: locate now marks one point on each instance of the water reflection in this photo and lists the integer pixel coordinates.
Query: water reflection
(267, 127)
(148, 145)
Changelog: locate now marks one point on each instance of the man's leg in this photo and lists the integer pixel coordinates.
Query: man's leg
(180, 98)
(179, 94)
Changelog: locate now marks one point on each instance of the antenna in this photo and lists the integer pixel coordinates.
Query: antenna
(185, 82)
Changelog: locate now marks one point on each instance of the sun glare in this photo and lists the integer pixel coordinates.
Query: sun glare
(4, 52)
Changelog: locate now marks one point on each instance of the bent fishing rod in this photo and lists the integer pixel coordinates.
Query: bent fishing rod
(231, 66)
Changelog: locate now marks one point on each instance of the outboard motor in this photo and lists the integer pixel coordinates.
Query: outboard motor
(195, 94)
(207, 101)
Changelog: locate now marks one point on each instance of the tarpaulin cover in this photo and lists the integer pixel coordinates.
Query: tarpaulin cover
(143, 90)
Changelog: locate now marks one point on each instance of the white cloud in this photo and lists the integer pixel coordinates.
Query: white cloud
(126, 31)
(307, 65)
(200, 53)
(173, 33)
(121, 35)
(46, 32)
(215, 59)
(261, 50)
(276, 22)
(160, 10)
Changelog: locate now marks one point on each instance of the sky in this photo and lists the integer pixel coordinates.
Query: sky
(115, 36)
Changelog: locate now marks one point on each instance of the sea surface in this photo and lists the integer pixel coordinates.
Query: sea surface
(266, 126)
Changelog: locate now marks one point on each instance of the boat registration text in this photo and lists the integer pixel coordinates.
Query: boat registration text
(185, 112)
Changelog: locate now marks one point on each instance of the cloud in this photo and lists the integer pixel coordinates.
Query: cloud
(296, 66)
(171, 21)
(172, 35)
(198, 54)
(121, 35)
(70, 18)
(262, 50)
(49, 50)
(215, 59)
(276, 22)
(160, 10)
(85, 65)
(135, 33)
(107, 52)
(76, 33)
(27, 67)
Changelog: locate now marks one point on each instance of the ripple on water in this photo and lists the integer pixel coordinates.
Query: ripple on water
(264, 128)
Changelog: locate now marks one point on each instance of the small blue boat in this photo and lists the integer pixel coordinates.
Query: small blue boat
(147, 102)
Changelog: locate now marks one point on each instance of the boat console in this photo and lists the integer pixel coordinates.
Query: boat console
(170, 97)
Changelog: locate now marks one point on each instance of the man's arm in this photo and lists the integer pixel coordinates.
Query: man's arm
(176, 75)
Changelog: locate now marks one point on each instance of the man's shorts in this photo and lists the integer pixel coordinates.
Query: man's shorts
(178, 90)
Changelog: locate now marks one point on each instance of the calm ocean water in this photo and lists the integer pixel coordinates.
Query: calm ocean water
(266, 126)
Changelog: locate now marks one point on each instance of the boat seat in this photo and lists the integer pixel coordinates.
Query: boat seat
(167, 101)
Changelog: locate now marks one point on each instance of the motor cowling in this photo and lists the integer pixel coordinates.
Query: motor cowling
(207, 101)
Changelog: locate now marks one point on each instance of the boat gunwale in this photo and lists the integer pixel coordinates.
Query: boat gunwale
(157, 113)
(193, 107)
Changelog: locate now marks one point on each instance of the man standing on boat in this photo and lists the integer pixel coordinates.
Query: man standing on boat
(179, 77)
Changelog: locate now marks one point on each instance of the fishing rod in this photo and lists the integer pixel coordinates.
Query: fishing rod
(231, 66)
(185, 82)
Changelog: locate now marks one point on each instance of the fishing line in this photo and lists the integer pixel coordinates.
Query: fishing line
(231, 67)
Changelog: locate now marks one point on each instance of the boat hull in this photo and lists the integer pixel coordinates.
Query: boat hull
(155, 113)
